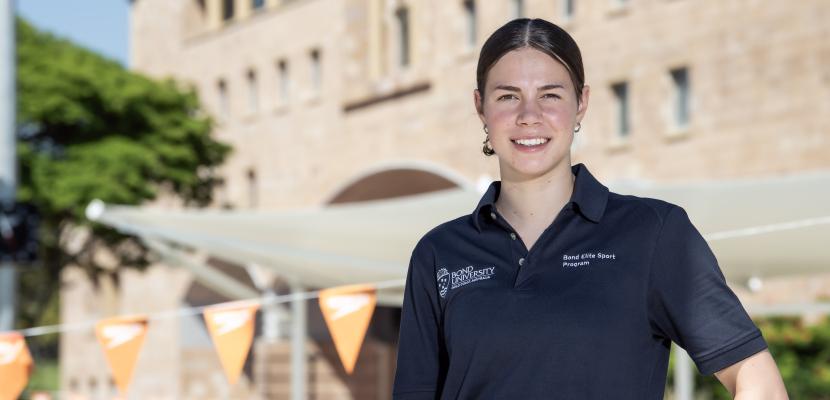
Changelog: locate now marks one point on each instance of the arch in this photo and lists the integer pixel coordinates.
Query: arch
(397, 179)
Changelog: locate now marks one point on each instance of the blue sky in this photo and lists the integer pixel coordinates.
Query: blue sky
(99, 25)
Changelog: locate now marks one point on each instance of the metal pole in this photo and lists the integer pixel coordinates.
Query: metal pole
(298, 338)
(270, 317)
(684, 383)
(8, 158)
(271, 312)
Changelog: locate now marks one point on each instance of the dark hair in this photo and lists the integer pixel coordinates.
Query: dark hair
(536, 33)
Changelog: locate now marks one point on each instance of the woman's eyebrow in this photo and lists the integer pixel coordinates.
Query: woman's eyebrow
(551, 86)
(545, 87)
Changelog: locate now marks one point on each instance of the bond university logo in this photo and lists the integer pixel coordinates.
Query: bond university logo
(443, 281)
(346, 304)
(461, 277)
(231, 320)
(10, 351)
(116, 335)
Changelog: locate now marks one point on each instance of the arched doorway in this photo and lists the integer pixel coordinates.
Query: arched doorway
(391, 183)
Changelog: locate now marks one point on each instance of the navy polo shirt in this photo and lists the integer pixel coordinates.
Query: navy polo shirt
(588, 313)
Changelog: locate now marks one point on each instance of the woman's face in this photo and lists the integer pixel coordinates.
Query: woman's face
(530, 109)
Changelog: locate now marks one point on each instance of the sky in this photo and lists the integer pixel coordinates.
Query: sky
(99, 25)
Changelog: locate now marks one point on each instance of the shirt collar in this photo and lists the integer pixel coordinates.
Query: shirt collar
(589, 196)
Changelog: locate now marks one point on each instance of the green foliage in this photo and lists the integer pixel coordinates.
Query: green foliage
(92, 129)
(45, 377)
(87, 129)
(802, 353)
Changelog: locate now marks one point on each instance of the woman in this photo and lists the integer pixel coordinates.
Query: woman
(554, 287)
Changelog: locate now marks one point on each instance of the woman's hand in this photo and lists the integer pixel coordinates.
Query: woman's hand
(754, 378)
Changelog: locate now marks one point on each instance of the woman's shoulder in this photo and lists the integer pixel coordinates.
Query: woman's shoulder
(448, 231)
(627, 202)
(457, 226)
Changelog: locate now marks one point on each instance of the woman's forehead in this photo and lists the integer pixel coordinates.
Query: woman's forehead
(527, 67)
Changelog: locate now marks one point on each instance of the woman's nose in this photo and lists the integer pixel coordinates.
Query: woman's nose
(529, 113)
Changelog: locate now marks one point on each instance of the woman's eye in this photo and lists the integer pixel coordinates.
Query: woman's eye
(551, 95)
(505, 96)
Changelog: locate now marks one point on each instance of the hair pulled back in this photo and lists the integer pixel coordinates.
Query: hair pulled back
(538, 34)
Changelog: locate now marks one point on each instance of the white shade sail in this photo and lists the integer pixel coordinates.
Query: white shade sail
(759, 227)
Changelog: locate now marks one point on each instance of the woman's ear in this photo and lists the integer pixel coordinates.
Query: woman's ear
(479, 105)
(583, 103)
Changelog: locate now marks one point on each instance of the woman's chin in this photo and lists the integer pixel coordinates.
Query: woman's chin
(530, 170)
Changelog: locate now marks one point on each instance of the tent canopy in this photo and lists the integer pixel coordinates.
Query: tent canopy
(758, 227)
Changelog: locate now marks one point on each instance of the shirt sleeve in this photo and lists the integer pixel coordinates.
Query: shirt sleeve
(421, 362)
(690, 303)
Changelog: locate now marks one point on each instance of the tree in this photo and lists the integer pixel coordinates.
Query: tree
(87, 129)
(802, 353)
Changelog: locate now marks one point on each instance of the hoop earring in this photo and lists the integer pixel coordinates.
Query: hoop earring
(578, 127)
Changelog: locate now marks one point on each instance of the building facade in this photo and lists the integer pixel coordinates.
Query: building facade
(330, 101)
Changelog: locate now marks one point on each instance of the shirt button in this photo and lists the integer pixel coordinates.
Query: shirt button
(493, 215)
(512, 235)
(521, 261)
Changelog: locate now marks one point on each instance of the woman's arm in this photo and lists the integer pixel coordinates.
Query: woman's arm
(421, 352)
(756, 377)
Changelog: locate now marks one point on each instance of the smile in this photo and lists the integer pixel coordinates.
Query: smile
(530, 142)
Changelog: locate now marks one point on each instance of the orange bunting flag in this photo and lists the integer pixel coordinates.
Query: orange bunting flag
(122, 338)
(231, 327)
(15, 365)
(348, 311)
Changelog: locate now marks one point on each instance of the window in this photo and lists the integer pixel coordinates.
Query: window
(316, 70)
(680, 78)
(222, 195)
(621, 95)
(257, 4)
(470, 17)
(518, 8)
(282, 73)
(227, 10)
(402, 19)
(224, 104)
(253, 93)
(113, 390)
(253, 190)
(567, 9)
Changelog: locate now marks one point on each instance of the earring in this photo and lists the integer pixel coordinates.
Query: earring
(488, 148)
(487, 144)
(578, 127)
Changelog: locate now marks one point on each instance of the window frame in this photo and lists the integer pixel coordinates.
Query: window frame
(621, 91)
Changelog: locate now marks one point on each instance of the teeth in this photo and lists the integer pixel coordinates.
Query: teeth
(531, 142)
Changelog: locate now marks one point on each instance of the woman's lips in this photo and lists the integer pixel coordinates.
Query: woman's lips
(530, 145)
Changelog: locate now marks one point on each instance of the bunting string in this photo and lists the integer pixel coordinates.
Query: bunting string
(264, 301)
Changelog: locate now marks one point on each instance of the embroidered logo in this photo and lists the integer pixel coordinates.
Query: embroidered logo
(584, 259)
(447, 280)
(443, 281)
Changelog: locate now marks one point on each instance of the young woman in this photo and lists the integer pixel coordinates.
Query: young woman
(554, 287)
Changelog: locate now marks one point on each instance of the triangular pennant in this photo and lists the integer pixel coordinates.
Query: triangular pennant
(122, 338)
(348, 311)
(15, 365)
(231, 327)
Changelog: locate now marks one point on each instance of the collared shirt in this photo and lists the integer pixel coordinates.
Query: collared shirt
(589, 312)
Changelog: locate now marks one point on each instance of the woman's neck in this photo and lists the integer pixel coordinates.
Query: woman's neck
(535, 201)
